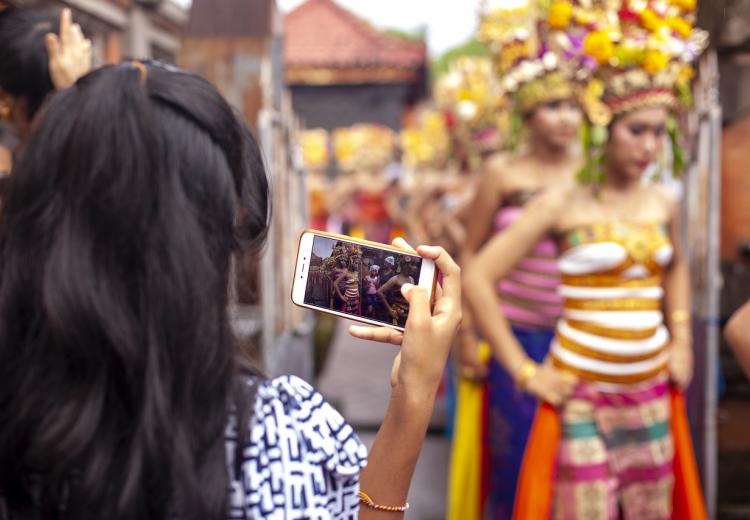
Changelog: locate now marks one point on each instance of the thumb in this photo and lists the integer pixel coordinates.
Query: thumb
(419, 304)
(52, 42)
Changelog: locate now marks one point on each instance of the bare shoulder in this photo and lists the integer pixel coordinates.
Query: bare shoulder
(665, 198)
(554, 199)
(495, 169)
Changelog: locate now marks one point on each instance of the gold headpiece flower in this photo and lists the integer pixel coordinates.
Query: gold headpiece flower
(532, 67)
(470, 97)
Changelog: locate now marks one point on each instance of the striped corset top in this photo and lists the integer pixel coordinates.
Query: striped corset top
(612, 329)
(529, 292)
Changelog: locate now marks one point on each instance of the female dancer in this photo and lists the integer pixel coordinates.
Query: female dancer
(347, 284)
(390, 293)
(548, 157)
(613, 358)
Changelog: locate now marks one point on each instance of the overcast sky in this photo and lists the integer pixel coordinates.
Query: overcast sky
(448, 22)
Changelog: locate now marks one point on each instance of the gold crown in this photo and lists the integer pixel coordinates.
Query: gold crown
(315, 148)
(363, 146)
(641, 51)
(426, 141)
(474, 106)
(532, 68)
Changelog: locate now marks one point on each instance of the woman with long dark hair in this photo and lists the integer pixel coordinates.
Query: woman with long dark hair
(121, 392)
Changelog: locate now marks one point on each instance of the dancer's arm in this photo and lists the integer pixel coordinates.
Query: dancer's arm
(677, 307)
(737, 334)
(478, 224)
(381, 293)
(493, 263)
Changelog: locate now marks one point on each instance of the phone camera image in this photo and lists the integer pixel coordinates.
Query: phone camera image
(359, 280)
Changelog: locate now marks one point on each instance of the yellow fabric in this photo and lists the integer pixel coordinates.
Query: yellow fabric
(465, 478)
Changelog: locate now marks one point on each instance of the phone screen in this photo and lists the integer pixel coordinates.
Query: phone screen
(360, 280)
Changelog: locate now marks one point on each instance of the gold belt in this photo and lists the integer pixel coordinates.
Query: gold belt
(596, 377)
(613, 281)
(582, 350)
(607, 332)
(619, 304)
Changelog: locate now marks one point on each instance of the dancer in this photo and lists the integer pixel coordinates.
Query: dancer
(315, 157)
(390, 294)
(548, 110)
(625, 335)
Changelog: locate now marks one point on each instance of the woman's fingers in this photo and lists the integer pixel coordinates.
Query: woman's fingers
(379, 334)
(66, 29)
(402, 244)
(52, 42)
(448, 267)
(419, 307)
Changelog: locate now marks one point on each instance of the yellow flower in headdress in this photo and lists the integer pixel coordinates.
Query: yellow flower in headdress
(685, 5)
(651, 21)
(599, 46)
(680, 26)
(560, 14)
(655, 61)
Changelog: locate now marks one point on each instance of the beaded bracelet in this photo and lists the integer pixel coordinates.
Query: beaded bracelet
(525, 374)
(365, 499)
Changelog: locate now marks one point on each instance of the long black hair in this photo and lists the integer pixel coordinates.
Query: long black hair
(24, 63)
(116, 356)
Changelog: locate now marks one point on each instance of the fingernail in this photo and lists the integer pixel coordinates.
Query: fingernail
(406, 288)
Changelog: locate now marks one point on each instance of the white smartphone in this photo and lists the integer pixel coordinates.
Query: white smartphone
(358, 279)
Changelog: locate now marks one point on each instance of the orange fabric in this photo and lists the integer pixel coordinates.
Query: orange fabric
(536, 482)
(688, 494)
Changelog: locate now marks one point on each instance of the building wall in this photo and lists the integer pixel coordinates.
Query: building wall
(124, 28)
(735, 210)
(335, 106)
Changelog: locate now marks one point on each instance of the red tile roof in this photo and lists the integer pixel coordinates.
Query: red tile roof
(320, 33)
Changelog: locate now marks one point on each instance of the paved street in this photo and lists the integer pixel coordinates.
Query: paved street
(356, 381)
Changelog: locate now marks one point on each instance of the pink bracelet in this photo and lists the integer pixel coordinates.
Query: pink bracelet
(365, 499)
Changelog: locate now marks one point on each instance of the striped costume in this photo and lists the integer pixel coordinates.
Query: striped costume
(616, 452)
(531, 304)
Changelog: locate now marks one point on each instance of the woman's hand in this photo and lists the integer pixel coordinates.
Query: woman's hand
(426, 343)
(69, 54)
(680, 364)
(470, 365)
(551, 385)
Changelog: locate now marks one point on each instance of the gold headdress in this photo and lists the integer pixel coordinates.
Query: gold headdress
(641, 54)
(315, 148)
(363, 146)
(531, 68)
(425, 142)
(470, 97)
(641, 51)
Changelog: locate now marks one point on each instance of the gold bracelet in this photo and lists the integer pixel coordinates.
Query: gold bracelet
(365, 499)
(527, 372)
(681, 316)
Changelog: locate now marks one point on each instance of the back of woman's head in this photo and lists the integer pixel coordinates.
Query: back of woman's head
(24, 64)
(116, 357)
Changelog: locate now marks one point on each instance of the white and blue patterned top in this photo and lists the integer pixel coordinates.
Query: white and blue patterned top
(302, 460)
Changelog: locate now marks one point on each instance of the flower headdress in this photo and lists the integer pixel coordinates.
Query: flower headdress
(471, 99)
(641, 53)
(531, 70)
(314, 143)
(425, 142)
(365, 146)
